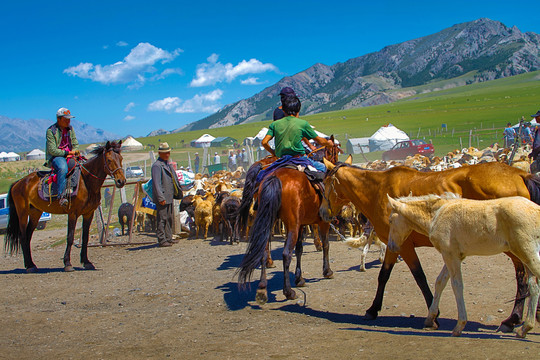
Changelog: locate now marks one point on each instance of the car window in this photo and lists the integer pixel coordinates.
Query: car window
(405, 145)
(2, 203)
(418, 142)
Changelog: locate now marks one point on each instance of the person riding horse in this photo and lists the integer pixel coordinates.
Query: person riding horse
(62, 146)
(290, 131)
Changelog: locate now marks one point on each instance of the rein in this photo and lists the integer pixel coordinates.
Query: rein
(105, 167)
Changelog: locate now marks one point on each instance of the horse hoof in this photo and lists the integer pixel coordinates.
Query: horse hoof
(300, 283)
(329, 275)
(318, 248)
(270, 265)
(261, 297)
(456, 333)
(32, 270)
(291, 295)
(362, 269)
(69, 268)
(370, 316)
(89, 266)
(505, 328)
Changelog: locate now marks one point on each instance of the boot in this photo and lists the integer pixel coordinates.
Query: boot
(63, 201)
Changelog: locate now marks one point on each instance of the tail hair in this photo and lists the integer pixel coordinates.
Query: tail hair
(269, 205)
(12, 239)
(250, 188)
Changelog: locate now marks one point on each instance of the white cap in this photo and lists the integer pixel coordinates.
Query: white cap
(215, 153)
(63, 112)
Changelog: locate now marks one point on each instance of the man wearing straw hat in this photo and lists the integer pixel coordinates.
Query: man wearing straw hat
(164, 182)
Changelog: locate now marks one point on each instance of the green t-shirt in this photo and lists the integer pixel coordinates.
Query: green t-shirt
(288, 133)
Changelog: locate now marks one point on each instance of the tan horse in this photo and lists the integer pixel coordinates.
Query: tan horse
(367, 190)
(458, 228)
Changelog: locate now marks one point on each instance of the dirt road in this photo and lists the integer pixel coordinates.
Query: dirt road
(183, 302)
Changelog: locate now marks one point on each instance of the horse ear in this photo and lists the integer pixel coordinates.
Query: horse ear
(328, 164)
(395, 205)
(349, 160)
(120, 143)
(332, 137)
(108, 145)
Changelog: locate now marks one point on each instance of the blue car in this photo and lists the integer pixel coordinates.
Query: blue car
(4, 214)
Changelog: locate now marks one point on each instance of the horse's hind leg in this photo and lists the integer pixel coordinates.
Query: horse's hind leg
(533, 274)
(298, 279)
(316, 237)
(72, 221)
(454, 267)
(440, 284)
(292, 238)
(516, 316)
(27, 230)
(384, 274)
(87, 220)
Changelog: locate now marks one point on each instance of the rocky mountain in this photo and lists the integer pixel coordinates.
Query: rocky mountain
(483, 49)
(24, 135)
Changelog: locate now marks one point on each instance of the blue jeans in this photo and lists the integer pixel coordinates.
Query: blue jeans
(317, 165)
(61, 169)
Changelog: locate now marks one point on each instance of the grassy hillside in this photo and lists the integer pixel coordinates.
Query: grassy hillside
(484, 108)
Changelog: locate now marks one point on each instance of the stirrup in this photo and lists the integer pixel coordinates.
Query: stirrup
(63, 201)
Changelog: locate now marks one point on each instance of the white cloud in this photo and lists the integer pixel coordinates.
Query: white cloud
(129, 106)
(250, 81)
(129, 118)
(132, 69)
(200, 103)
(105, 47)
(122, 43)
(213, 71)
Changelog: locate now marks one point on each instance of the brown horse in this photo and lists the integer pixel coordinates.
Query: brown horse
(368, 189)
(26, 207)
(286, 194)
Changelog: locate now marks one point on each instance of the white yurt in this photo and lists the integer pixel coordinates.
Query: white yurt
(130, 144)
(3, 155)
(91, 147)
(204, 141)
(386, 137)
(11, 156)
(35, 154)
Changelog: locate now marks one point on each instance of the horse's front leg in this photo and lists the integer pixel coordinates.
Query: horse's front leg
(316, 237)
(72, 221)
(87, 221)
(324, 228)
(298, 279)
(440, 284)
(384, 274)
(292, 238)
(454, 267)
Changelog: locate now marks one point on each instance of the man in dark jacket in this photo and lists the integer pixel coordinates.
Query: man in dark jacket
(164, 182)
(62, 146)
(535, 166)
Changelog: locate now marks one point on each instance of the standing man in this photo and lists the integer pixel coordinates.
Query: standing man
(509, 135)
(245, 159)
(196, 162)
(217, 159)
(164, 181)
(535, 166)
(232, 160)
(61, 147)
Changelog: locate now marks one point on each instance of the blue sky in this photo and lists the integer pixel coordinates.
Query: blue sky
(131, 67)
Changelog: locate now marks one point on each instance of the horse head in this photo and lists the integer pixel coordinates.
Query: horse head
(334, 198)
(109, 155)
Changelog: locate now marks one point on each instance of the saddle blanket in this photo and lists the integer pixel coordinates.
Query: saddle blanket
(48, 188)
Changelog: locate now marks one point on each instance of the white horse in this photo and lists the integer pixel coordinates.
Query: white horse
(461, 227)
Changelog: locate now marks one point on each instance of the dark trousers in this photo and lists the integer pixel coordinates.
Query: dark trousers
(164, 222)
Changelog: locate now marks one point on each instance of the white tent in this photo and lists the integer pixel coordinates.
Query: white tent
(11, 156)
(386, 137)
(91, 147)
(130, 144)
(3, 155)
(35, 154)
(203, 141)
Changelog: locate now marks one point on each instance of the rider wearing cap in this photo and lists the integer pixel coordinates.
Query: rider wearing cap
(290, 130)
(61, 146)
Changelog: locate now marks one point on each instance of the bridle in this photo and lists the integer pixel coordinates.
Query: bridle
(106, 167)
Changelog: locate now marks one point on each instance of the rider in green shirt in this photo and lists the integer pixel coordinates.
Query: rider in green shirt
(289, 132)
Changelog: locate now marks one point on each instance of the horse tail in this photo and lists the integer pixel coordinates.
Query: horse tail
(269, 205)
(12, 240)
(533, 185)
(250, 188)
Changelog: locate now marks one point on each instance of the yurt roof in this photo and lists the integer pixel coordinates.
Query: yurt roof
(205, 138)
(35, 152)
(12, 154)
(130, 141)
(389, 132)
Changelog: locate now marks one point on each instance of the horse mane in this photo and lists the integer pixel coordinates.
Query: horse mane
(429, 197)
(115, 146)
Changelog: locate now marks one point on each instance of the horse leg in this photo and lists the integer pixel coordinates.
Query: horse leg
(382, 250)
(26, 237)
(440, 284)
(533, 274)
(316, 238)
(292, 238)
(298, 279)
(324, 228)
(87, 220)
(384, 275)
(72, 221)
(454, 267)
(269, 261)
(262, 295)
(515, 318)
(365, 251)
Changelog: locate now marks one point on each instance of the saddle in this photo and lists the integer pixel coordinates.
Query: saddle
(48, 188)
